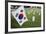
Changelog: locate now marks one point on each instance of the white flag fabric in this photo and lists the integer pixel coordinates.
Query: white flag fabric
(20, 15)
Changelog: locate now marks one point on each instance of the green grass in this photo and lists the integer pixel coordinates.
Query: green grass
(29, 23)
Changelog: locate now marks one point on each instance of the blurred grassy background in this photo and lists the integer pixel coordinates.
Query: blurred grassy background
(30, 12)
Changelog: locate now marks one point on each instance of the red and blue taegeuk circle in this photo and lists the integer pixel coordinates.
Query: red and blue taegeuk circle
(20, 16)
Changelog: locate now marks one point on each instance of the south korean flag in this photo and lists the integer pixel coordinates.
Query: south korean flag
(19, 15)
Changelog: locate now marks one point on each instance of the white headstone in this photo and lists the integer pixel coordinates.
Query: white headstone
(33, 18)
